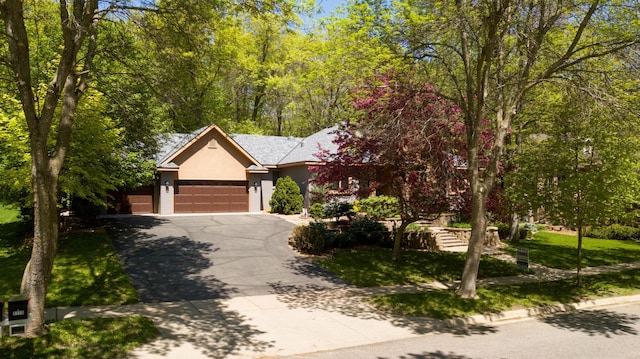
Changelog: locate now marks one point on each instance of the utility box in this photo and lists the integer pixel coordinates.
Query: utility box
(18, 308)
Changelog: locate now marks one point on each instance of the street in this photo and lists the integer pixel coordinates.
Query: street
(610, 332)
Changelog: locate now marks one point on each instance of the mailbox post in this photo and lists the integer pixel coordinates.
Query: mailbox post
(18, 314)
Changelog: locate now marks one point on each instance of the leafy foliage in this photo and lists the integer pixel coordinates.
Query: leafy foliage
(368, 232)
(286, 198)
(614, 231)
(337, 209)
(310, 239)
(414, 158)
(379, 207)
(315, 211)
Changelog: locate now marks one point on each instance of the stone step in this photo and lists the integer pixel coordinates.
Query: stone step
(455, 249)
(450, 242)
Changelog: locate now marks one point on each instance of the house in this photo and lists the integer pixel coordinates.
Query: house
(208, 171)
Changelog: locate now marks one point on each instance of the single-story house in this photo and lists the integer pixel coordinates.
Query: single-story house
(208, 171)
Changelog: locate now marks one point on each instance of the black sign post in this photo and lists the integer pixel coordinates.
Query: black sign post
(18, 308)
(522, 257)
(18, 314)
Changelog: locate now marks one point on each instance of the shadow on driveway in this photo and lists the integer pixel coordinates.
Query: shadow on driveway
(164, 268)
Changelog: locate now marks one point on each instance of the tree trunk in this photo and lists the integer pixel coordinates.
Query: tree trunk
(467, 287)
(397, 240)
(45, 242)
(579, 270)
(514, 229)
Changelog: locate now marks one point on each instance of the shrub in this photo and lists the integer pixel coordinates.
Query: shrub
(315, 211)
(379, 207)
(342, 240)
(337, 209)
(504, 230)
(524, 232)
(286, 198)
(310, 239)
(367, 231)
(614, 231)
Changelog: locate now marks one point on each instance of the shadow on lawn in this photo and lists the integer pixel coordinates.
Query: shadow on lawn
(595, 322)
(350, 301)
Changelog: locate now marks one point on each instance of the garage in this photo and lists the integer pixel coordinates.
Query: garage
(211, 196)
(135, 201)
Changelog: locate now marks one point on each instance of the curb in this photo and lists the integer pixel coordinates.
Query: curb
(521, 314)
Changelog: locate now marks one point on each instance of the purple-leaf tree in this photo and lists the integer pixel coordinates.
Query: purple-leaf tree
(406, 142)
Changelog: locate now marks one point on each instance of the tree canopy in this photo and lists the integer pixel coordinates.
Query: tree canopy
(404, 141)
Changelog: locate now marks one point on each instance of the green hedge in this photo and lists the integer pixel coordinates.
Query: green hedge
(614, 231)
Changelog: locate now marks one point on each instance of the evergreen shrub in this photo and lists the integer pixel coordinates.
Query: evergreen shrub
(379, 207)
(286, 198)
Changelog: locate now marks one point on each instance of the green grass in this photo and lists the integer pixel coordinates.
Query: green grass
(8, 214)
(86, 270)
(461, 225)
(446, 304)
(13, 256)
(560, 250)
(87, 338)
(374, 267)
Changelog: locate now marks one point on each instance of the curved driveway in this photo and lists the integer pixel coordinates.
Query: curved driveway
(211, 256)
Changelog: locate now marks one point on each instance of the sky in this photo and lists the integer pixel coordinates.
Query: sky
(328, 6)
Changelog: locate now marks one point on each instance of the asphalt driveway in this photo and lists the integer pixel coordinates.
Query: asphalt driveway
(181, 258)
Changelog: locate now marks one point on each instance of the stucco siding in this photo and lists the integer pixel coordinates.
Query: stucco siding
(217, 160)
(300, 174)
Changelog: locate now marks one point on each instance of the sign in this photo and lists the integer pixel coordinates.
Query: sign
(18, 308)
(522, 257)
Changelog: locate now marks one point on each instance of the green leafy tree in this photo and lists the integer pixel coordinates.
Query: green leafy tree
(286, 198)
(489, 55)
(582, 167)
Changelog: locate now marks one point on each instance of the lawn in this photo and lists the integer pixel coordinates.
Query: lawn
(87, 338)
(560, 250)
(374, 267)
(86, 270)
(446, 304)
(8, 214)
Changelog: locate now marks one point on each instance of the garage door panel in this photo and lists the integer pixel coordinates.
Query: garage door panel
(202, 198)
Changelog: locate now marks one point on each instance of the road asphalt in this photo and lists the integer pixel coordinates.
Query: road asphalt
(286, 309)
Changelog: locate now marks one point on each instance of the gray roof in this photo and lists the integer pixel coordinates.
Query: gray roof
(169, 144)
(307, 148)
(267, 150)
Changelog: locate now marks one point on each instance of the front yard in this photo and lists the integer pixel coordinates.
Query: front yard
(369, 267)
(86, 272)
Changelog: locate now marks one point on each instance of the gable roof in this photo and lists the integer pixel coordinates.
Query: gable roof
(170, 144)
(175, 144)
(264, 151)
(306, 149)
(268, 150)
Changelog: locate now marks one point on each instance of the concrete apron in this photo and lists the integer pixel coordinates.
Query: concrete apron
(258, 326)
(296, 322)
